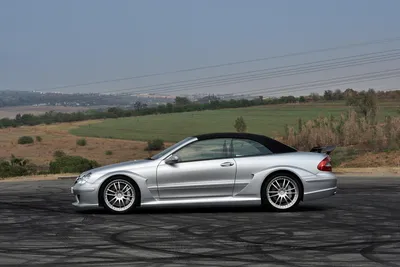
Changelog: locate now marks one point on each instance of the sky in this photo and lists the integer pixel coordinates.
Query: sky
(46, 44)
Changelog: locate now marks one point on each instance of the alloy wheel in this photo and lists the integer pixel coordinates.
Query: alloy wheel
(282, 192)
(119, 195)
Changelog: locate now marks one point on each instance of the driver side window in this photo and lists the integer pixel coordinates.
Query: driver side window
(205, 150)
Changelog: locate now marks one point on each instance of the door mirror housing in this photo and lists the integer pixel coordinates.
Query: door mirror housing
(172, 160)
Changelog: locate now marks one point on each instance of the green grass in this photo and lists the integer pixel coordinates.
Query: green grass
(268, 120)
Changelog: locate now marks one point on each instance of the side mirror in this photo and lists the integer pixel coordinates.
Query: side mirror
(172, 160)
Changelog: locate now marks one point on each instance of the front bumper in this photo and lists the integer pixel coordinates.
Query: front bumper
(86, 195)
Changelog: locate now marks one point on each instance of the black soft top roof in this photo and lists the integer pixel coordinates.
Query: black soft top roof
(273, 145)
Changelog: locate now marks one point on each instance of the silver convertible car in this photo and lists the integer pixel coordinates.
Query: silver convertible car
(210, 169)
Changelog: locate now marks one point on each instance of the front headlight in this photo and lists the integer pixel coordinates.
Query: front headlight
(83, 178)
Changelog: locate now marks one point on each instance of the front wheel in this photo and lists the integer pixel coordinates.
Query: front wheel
(281, 192)
(119, 195)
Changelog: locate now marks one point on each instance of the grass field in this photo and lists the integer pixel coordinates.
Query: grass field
(269, 120)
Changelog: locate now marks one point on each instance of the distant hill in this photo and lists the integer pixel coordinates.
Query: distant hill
(30, 98)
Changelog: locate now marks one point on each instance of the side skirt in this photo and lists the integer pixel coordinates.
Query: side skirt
(211, 201)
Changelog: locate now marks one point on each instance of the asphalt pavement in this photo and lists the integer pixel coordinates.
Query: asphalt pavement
(360, 226)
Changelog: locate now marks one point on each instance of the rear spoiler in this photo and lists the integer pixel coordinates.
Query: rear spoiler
(323, 149)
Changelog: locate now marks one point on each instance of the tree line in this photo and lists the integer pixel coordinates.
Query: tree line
(183, 104)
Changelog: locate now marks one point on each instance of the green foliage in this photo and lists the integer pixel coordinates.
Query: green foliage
(366, 104)
(182, 104)
(16, 167)
(240, 125)
(81, 142)
(155, 144)
(267, 120)
(59, 154)
(342, 154)
(71, 164)
(182, 101)
(39, 139)
(108, 152)
(25, 140)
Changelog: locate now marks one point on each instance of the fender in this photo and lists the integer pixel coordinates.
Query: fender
(141, 182)
(253, 188)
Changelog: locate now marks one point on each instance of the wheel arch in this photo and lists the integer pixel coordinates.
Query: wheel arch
(284, 172)
(103, 184)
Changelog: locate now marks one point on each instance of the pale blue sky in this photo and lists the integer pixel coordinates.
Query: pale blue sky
(47, 43)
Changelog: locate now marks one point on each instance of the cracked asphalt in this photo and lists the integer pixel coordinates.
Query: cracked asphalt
(360, 226)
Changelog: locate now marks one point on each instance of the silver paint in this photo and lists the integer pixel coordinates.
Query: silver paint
(228, 180)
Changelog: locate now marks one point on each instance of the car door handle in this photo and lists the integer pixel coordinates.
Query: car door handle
(226, 164)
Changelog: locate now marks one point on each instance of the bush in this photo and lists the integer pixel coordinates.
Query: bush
(59, 153)
(81, 142)
(108, 152)
(240, 125)
(39, 139)
(72, 164)
(350, 129)
(155, 144)
(25, 140)
(16, 167)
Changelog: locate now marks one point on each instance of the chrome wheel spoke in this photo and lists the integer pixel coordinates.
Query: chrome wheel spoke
(284, 183)
(276, 187)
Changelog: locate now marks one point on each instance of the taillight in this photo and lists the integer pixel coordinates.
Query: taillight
(325, 165)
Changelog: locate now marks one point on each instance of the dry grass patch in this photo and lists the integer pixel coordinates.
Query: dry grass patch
(56, 137)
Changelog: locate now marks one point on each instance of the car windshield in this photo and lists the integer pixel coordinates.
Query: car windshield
(169, 149)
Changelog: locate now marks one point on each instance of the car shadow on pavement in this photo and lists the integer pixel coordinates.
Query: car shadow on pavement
(214, 209)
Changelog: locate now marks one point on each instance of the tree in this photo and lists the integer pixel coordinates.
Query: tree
(366, 104)
(315, 96)
(182, 101)
(240, 125)
(338, 95)
(328, 95)
(138, 105)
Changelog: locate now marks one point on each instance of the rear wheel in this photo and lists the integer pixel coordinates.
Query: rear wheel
(119, 195)
(281, 192)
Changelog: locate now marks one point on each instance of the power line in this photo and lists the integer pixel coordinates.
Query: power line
(378, 75)
(273, 74)
(260, 71)
(387, 40)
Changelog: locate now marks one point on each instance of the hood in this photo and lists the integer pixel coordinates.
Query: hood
(121, 166)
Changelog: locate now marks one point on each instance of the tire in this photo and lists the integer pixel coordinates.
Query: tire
(119, 195)
(281, 192)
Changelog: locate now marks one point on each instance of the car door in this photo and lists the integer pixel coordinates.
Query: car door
(250, 157)
(204, 169)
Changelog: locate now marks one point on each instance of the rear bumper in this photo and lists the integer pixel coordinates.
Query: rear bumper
(323, 193)
(323, 185)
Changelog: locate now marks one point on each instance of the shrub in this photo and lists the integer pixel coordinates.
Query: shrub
(81, 142)
(39, 139)
(349, 129)
(155, 144)
(25, 140)
(72, 164)
(240, 125)
(16, 167)
(59, 153)
(108, 152)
